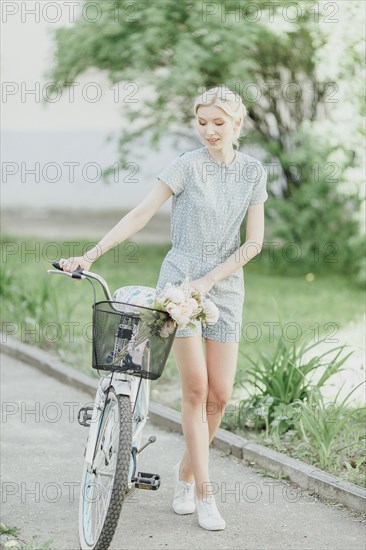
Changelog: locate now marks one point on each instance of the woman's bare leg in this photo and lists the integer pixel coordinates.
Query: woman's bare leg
(189, 356)
(221, 362)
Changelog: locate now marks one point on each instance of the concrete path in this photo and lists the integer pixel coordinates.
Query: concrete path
(42, 447)
(61, 225)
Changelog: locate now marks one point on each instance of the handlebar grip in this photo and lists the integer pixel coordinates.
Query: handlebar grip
(75, 274)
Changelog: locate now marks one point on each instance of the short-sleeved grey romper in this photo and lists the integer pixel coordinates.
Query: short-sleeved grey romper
(209, 204)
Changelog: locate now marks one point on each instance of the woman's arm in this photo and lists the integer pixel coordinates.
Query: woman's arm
(131, 223)
(252, 246)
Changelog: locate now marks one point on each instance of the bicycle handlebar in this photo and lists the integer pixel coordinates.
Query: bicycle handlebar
(77, 274)
(82, 274)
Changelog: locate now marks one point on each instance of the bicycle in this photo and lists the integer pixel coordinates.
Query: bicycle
(127, 341)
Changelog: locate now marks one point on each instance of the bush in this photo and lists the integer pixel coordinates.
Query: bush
(281, 381)
(314, 226)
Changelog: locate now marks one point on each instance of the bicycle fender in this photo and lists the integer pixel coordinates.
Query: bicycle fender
(121, 387)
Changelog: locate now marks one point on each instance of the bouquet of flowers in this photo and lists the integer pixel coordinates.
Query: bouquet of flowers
(185, 305)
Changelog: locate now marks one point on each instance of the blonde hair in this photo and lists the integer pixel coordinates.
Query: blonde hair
(228, 101)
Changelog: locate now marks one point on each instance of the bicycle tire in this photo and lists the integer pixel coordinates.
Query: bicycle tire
(92, 537)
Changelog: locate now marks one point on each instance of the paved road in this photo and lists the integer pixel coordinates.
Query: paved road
(74, 224)
(42, 447)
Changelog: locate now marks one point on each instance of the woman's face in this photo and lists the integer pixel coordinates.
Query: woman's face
(214, 126)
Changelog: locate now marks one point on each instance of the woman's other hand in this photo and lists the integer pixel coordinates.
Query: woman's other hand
(203, 284)
(72, 264)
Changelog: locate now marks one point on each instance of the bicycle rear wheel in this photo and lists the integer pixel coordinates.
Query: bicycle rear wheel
(104, 485)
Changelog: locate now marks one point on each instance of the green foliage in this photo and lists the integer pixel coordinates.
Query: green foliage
(7, 276)
(287, 410)
(6, 530)
(155, 43)
(38, 310)
(322, 423)
(12, 540)
(281, 381)
(334, 441)
(316, 229)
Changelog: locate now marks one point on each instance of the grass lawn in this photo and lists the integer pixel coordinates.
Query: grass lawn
(29, 292)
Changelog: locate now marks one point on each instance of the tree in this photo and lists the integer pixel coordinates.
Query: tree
(182, 48)
(266, 51)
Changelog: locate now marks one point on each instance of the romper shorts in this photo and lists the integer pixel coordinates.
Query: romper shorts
(227, 294)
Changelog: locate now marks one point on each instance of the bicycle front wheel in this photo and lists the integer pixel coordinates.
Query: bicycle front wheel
(104, 484)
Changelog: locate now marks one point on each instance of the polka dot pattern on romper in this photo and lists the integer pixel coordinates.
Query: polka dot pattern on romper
(210, 200)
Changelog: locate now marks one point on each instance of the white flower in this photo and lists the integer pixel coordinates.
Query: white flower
(185, 305)
(167, 329)
(174, 294)
(181, 313)
(192, 302)
(211, 312)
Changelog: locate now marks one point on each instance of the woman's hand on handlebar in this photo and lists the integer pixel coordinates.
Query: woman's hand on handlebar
(72, 264)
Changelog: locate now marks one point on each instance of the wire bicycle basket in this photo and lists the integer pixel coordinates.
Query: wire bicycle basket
(131, 339)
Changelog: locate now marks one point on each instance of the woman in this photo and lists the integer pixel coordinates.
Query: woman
(213, 188)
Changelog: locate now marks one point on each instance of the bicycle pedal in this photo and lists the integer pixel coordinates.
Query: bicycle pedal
(85, 416)
(150, 482)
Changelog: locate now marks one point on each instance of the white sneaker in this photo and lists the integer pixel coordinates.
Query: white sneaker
(183, 501)
(208, 515)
